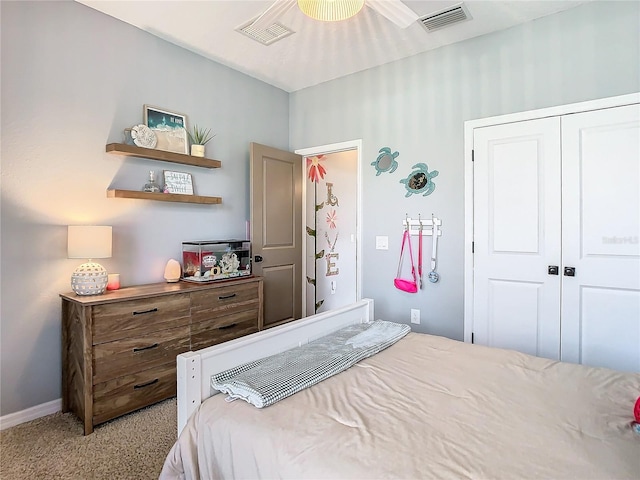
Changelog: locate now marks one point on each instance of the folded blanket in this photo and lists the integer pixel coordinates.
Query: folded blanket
(268, 380)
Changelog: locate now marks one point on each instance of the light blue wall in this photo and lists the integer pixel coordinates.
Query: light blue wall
(418, 106)
(72, 80)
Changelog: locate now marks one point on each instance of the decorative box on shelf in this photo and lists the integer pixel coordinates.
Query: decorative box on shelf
(206, 261)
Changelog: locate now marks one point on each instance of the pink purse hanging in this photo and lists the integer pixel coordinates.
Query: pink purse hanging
(410, 286)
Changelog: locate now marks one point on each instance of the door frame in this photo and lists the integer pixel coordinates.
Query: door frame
(469, 127)
(326, 150)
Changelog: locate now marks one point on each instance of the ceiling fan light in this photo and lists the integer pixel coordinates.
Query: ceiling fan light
(330, 10)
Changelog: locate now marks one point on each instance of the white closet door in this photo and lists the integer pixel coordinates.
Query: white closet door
(601, 238)
(517, 236)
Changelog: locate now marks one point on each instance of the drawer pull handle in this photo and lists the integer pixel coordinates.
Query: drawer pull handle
(146, 311)
(225, 297)
(142, 385)
(228, 326)
(140, 349)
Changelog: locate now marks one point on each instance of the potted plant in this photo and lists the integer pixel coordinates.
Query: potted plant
(199, 138)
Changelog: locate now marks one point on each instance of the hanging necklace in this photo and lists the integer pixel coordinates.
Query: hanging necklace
(331, 247)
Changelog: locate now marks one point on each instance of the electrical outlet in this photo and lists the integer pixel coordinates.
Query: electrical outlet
(415, 315)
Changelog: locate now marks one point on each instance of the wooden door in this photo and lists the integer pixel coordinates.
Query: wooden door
(601, 238)
(276, 230)
(517, 236)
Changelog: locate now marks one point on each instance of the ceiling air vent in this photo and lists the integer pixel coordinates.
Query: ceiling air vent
(444, 18)
(265, 36)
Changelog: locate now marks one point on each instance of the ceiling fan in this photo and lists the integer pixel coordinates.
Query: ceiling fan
(394, 10)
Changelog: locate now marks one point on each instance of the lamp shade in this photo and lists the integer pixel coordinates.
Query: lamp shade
(89, 242)
(330, 10)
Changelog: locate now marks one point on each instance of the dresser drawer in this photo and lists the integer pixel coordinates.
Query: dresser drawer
(113, 321)
(119, 349)
(117, 358)
(226, 297)
(131, 392)
(223, 328)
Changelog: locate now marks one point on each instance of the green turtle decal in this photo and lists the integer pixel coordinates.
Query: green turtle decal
(386, 161)
(419, 181)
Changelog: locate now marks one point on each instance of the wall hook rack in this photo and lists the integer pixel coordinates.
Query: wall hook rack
(428, 226)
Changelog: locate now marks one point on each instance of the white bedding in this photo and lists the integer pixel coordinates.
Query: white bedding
(426, 407)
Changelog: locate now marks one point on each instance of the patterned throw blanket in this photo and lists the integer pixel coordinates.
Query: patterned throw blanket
(268, 380)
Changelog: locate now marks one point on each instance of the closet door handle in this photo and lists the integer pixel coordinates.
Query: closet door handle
(552, 270)
(258, 258)
(569, 271)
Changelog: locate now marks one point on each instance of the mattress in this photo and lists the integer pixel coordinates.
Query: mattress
(426, 407)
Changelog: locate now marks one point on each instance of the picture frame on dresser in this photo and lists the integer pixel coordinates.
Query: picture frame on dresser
(170, 129)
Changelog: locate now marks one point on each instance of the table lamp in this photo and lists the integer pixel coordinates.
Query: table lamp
(89, 242)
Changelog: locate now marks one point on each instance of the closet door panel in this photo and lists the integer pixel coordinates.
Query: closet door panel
(514, 309)
(517, 236)
(601, 238)
(610, 328)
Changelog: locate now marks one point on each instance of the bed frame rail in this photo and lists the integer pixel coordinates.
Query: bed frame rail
(194, 369)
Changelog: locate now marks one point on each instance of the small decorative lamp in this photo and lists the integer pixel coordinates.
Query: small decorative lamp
(172, 271)
(89, 242)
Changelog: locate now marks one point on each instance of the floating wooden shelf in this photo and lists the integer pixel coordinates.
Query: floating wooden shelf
(153, 154)
(163, 197)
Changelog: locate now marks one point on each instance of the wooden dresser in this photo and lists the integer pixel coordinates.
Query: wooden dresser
(119, 349)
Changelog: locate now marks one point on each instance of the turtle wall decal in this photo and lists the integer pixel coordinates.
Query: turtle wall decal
(386, 161)
(420, 180)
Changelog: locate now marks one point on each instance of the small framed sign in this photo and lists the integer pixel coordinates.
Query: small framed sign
(178, 182)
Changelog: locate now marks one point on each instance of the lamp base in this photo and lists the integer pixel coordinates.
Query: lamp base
(89, 279)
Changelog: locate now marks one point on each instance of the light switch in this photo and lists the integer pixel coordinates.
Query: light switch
(382, 243)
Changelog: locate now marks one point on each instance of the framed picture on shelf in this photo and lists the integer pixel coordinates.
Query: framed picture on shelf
(178, 182)
(170, 129)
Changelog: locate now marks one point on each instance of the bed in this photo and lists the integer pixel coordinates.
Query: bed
(425, 407)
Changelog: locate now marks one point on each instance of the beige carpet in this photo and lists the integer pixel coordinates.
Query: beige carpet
(130, 447)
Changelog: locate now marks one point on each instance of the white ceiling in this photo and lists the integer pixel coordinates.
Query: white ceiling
(317, 51)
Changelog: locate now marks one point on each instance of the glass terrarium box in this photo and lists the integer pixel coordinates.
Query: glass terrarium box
(211, 260)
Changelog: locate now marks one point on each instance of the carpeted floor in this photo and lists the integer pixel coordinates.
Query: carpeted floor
(53, 447)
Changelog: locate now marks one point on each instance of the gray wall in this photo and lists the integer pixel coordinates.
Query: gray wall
(418, 105)
(72, 80)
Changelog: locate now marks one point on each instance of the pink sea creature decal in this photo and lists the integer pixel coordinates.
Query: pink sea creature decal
(332, 218)
(316, 171)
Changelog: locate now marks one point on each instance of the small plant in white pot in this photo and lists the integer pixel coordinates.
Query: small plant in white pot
(199, 138)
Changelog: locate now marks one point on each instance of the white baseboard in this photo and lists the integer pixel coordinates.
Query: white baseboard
(29, 414)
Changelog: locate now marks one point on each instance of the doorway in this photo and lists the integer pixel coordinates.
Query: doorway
(332, 220)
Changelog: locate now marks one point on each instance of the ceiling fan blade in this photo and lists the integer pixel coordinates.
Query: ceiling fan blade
(272, 14)
(394, 10)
